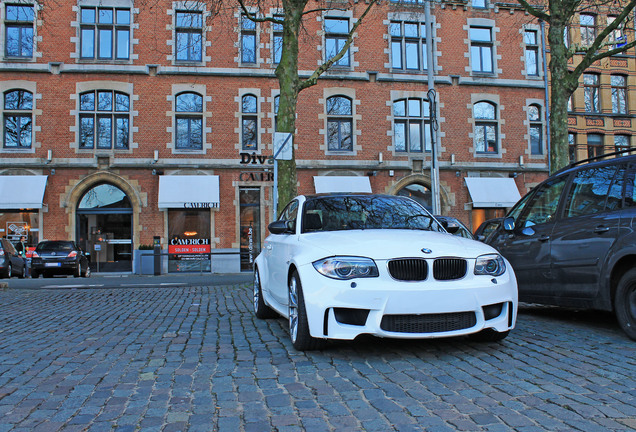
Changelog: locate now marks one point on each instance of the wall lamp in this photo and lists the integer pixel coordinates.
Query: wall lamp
(155, 156)
(49, 156)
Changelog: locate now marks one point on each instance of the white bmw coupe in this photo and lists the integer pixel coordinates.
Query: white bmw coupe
(342, 265)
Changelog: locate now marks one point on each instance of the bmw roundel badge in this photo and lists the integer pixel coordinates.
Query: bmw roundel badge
(426, 250)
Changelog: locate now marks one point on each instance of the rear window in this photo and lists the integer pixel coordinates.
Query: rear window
(55, 246)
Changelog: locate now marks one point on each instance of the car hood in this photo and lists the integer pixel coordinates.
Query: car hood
(388, 244)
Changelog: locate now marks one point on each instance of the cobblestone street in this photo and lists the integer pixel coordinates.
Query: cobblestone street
(197, 359)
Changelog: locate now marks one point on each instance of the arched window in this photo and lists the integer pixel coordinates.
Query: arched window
(104, 120)
(189, 121)
(419, 193)
(249, 122)
(411, 120)
(536, 129)
(339, 124)
(104, 196)
(18, 119)
(486, 137)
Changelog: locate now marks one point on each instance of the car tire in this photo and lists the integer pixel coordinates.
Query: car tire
(625, 303)
(48, 275)
(9, 271)
(23, 273)
(35, 274)
(87, 272)
(298, 324)
(261, 310)
(489, 335)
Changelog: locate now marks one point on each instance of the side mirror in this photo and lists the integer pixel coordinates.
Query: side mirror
(509, 224)
(281, 227)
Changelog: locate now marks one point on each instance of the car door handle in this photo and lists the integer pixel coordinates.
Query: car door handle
(544, 238)
(601, 229)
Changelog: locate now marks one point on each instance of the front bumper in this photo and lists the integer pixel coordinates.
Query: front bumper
(386, 307)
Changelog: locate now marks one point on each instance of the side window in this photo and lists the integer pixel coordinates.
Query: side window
(591, 189)
(544, 204)
(290, 212)
(630, 187)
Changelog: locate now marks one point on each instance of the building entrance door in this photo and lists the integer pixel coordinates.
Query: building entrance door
(104, 228)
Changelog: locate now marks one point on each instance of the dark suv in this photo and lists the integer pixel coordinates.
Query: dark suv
(11, 263)
(572, 240)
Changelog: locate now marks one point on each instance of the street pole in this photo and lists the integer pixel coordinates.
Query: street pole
(432, 108)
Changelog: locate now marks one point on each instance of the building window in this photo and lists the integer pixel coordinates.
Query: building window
(481, 50)
(277, 40)
(621, 142)
(592, 92)
(408, 46)
(248, 40)
(532, 52)
(276, 104)
(619, 94)
(572, 147)
(617, 38)
(189, 121)
(104, 120)
(480, 4)
(19, 30)
(485, 115)
(249, 123)
(339, 124)
(105, 33)
(536, 130)
(588, 29)
(336, 35)
(594, 145)
(411, 123)
(18, 119)
(189, 35)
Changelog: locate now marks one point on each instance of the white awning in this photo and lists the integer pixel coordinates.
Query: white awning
(492, 191)
(188, 191)
(22, 191)
(331, 184)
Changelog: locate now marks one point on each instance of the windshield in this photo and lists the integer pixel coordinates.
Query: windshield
(333, 213)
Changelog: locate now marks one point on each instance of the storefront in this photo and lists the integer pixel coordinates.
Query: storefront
(189, 202)
(490, 197)
(21, 202)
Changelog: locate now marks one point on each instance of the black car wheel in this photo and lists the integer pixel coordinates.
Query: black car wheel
(261, 310)
(35, 274)
(625, 303)
(298, 324)
(23, 273)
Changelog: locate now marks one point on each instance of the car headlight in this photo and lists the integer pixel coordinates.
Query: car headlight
(490, 265)
(345, 268)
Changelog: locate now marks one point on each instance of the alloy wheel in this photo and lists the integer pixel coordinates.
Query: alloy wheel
(293, 309)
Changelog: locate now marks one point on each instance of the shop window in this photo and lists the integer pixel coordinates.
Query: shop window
(339, 124)
(250, 223)
(104, 33)
(189, 121)
(18, 119)
(15, 224)
(411, 125)
(104, 120)
(249, 122)
(189, 242)
(408, 46)
(486, 135)
(189, 36)
(336, 35)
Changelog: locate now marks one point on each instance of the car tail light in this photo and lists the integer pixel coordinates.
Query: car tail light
(73, 254)
(35, 255)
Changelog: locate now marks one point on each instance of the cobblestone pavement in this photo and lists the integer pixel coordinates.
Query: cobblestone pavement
(196, 359)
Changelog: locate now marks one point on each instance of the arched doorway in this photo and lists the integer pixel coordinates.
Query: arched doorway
(104, 228)
(419, 193)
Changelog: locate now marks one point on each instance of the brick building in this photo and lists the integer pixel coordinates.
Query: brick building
(125, 122)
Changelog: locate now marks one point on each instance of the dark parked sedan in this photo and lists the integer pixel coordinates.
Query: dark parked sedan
(59, 258)
(11, 263)
(455, 227)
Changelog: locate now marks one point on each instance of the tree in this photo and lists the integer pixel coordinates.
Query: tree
(559, 15)
(290, 82)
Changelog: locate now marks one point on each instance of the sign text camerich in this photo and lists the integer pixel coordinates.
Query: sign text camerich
(201, 205)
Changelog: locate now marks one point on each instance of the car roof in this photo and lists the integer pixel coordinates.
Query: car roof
(621, 156)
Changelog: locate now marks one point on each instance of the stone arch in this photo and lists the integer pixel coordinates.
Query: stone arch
(76, 191)
(423, 180)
